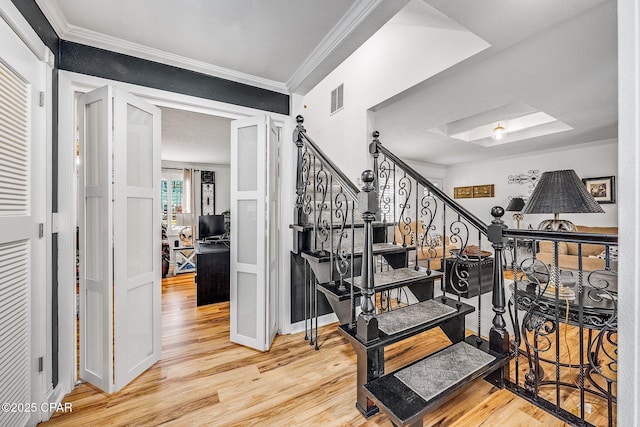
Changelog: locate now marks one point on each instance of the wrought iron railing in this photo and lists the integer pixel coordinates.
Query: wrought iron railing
(325, 207)
(565, 324)
(447, 237)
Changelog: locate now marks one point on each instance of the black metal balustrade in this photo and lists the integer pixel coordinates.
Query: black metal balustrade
(565, 328)
(446, 237)
(407, 234)
(325, 205)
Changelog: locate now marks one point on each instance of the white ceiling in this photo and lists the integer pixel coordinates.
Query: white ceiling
(195, 138)
(556, 57)
(281, 45)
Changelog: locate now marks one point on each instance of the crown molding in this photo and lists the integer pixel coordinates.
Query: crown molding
(347, 24)
(54, 16)
(77, 34)
(103, 41)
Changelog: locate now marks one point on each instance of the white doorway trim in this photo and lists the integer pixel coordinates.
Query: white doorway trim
(71, 83)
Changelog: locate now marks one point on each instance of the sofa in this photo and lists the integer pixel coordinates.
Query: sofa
(592, 255)
(431, 252)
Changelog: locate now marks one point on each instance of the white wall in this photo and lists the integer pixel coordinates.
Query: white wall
(377, 71)
(629, 248)
(589, 160)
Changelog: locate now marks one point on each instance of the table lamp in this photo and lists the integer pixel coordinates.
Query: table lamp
(515, 205)
(558, 192)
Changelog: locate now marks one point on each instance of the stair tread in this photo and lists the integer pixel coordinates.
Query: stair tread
(395, 321)
(409, 393)
(378, 249)
(333, 289)
(460, 309)
(399, 277)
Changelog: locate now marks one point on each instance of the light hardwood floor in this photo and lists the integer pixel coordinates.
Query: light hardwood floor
(203, 379)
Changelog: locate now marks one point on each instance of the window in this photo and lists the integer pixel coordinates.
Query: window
(171, 197)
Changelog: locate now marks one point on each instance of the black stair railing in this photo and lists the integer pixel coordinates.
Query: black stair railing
(565, 320)
(326, 201)
(447, 237)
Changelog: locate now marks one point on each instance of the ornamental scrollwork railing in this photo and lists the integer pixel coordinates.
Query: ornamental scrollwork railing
(565, 322)
(326, 202)
(443, 238)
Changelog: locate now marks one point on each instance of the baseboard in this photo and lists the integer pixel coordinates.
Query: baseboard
(324, 320)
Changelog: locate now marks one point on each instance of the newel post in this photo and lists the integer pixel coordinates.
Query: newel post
(498, 336)
(373, 150)
(298, 215)
(367, 324)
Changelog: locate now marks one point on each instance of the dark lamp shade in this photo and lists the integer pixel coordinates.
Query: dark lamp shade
(561, 192)
(515, 205)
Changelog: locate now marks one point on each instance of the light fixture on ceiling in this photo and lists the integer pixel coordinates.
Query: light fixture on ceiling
(499, 132)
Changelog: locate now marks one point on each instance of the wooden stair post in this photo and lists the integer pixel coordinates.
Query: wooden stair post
(498, 335)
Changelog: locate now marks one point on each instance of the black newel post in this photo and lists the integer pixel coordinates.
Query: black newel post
(367, 324)
(498, 336)
(298, 215)
(373, 150)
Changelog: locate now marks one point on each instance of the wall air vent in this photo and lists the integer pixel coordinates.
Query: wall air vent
(337, 99)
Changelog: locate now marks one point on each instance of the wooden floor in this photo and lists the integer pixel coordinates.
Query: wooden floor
(203, 379)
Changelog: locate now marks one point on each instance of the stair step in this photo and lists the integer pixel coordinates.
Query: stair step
(378, 249)
(408, 394)
(332, 289)
(394, 278)
(418, 325)
(396, 321)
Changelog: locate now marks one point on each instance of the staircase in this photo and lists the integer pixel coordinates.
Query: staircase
(357, 265)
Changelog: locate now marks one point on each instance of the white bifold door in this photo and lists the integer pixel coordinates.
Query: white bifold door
(254, 231)
(120, 231)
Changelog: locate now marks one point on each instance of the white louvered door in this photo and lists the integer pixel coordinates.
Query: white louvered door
(22, 211)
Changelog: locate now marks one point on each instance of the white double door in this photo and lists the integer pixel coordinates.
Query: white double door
(120, 231)
(254, 231)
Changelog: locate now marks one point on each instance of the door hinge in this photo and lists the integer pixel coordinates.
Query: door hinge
(41, 230)
(42, 99)
(40, 364)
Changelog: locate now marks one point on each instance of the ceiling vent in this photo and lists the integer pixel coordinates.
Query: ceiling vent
(337, 99)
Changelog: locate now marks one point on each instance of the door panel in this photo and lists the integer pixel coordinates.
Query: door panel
(253, 282)
(120, 237)
(137, 269)
(95, 234)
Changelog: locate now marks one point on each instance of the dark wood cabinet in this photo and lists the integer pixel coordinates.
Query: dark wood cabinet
(212, 273)
(480, 276)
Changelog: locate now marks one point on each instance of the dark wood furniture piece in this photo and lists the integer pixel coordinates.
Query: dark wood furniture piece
(212, 272)
(477, 270)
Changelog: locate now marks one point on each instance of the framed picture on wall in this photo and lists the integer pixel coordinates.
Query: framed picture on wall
(603, 188)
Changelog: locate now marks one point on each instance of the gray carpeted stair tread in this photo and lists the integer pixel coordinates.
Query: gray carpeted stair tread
(408, 394)
(400, 276)
(395, 321)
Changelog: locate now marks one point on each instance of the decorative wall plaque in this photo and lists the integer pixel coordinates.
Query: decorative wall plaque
(473, 191)
(208, 193)
(483, 190)
(463, 192)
